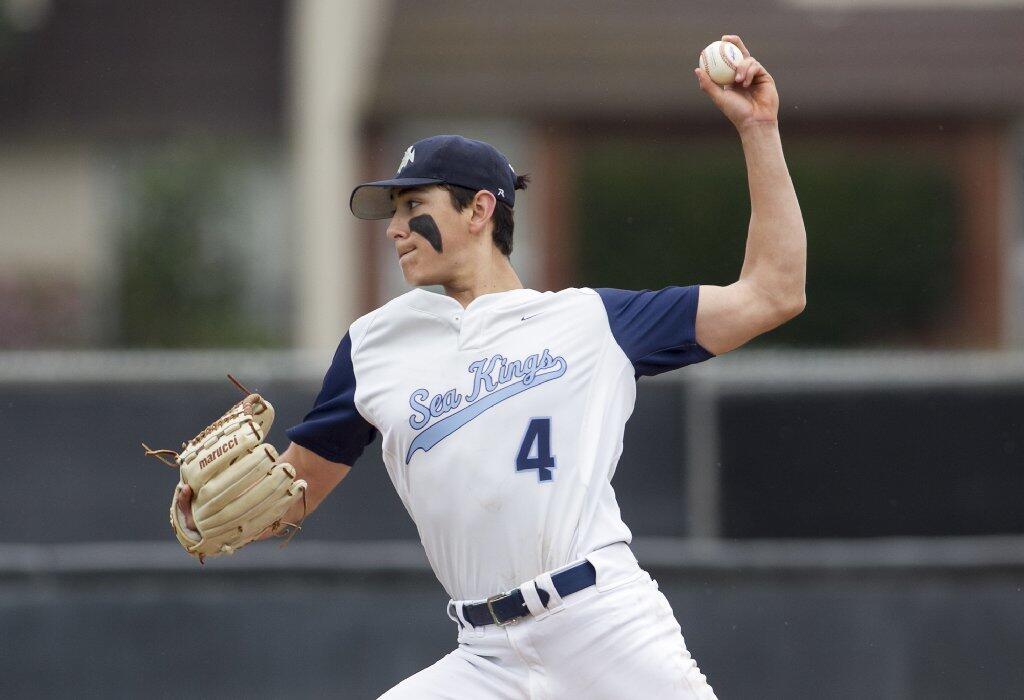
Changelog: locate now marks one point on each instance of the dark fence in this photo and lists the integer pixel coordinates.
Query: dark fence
(96, 600)
(789, 621)
(800, 450)
(82, 475)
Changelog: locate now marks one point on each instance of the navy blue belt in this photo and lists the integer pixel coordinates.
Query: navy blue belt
(506, 608)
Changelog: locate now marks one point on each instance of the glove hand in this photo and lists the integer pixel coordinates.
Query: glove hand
(184, 501)
(232, 488)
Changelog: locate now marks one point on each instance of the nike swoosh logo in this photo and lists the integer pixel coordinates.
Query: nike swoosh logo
(531, 316)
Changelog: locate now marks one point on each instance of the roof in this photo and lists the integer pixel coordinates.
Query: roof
(145, 66)
(601, 58)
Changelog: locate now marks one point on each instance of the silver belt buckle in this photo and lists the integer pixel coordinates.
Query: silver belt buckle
(490, 609)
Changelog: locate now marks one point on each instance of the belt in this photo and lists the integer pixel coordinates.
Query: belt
(505, 608)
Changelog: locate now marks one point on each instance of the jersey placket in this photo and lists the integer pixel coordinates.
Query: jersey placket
(471, 326)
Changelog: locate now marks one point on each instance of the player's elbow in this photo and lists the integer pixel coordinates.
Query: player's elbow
(776, 301)
(786, 308)
(794, 306)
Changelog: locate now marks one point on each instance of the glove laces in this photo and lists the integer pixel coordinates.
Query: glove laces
(211, 428)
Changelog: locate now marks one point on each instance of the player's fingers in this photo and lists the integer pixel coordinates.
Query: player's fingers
(751, 72)
(185, 505)
(762, 76)
(733, 39)
(742, 69)
(712, 89)
(707, 85)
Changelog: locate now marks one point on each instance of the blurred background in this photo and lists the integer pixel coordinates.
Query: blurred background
(834, 512)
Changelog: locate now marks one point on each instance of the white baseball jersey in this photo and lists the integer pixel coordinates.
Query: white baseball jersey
(502, 422)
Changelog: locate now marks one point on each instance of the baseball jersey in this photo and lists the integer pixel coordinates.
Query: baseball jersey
(501, 423)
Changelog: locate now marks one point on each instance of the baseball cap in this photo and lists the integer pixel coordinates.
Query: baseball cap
(453, 160)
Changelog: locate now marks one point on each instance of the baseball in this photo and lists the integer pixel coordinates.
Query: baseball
(719, 60)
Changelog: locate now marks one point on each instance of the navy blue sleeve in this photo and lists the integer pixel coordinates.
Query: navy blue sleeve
(334, 429)
(656, 330)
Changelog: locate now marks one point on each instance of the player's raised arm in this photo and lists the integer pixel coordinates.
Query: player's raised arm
(770, 288)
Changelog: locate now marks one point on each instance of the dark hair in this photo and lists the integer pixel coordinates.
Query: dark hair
(504, 222)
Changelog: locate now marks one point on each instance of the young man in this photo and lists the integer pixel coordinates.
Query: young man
(502, 411)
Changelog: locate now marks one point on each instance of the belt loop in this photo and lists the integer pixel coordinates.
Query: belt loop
(532, 599)
(453, 615)
(460, 611)
(544, 581)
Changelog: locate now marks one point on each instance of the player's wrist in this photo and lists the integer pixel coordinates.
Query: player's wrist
(755, 128)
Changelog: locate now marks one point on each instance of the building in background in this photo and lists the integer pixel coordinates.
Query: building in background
(157, 157)
(906, 156)
(166, 168)
(142, 157)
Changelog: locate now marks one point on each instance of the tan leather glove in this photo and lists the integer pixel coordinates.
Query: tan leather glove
(239, 489)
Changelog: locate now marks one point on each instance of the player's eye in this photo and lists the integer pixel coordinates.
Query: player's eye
(413, 203)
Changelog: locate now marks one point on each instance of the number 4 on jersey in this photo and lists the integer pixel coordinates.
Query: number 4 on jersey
(539, 433)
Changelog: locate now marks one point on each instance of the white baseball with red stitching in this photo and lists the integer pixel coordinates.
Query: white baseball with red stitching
(720, 60)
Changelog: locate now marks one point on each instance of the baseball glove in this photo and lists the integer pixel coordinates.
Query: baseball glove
(240, 491)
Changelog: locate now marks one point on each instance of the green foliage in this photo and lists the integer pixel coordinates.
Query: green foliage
(880, 229)
(181, 285)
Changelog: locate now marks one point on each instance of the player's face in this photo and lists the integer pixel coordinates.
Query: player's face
(431, 237)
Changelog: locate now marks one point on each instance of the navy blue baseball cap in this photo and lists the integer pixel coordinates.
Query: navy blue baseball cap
(453, 160)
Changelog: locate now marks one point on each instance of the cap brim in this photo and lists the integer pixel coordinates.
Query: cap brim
(372, 200)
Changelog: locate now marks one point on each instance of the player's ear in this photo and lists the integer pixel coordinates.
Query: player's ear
(481, 209)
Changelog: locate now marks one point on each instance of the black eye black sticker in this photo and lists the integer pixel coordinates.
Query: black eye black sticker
(426, 227)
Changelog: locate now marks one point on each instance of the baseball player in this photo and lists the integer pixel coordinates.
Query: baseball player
(501, 412)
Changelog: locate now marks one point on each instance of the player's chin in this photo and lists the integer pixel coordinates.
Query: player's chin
(416, 276)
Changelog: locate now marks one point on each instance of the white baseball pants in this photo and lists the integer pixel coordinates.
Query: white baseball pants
(617, 640)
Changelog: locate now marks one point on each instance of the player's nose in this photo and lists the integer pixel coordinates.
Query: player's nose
(396, 230)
